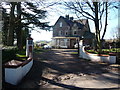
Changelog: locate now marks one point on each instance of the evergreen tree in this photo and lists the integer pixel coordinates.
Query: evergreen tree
(22, 15)
(5, 19)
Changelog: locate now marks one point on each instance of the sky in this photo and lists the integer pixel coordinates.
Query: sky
(56, 11)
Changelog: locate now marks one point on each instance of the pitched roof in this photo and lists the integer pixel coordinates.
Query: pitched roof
(72, 22)
(82, 21)
(88, 34)
(79, 24)
(69, 22)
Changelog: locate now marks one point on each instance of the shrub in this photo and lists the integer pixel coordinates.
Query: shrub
(8, 53)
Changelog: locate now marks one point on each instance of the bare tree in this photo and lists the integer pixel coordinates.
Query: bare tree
(95, 12)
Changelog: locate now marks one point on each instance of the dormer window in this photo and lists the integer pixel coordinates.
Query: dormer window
(60, 24)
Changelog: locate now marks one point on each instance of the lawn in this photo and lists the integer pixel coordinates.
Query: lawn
(112, 50)
(10, 53)
(40, 50)
(74, 53)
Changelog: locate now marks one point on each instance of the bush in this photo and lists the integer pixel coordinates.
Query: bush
(8, 53)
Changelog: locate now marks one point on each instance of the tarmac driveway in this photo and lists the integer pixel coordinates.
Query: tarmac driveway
(61, 68)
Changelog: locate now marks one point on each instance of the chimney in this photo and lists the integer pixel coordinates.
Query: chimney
(71, 18)
(67, 16)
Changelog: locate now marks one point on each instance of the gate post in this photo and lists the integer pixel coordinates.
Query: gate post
(80, 49)
(29, 47)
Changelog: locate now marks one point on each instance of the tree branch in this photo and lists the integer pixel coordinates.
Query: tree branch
(73, 7)
(85, 11)
(105, 21)
(90, 6)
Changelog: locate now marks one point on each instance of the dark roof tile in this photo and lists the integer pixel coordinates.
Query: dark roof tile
(88, 34)
(79, 23)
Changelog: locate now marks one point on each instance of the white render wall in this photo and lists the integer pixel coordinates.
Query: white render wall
(15, 75)
(95, 57)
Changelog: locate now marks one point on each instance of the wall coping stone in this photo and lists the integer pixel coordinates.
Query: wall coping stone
(16, 63)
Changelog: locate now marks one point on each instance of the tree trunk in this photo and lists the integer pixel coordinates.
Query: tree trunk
(96, 21)
(19, 27)
(10, 36)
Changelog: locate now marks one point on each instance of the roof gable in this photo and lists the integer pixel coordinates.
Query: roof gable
(69, 22)
(62, 19)
(80, 23)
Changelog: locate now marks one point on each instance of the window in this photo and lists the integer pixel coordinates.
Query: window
(66, 33)
(75, 32)
(60, 24)
(30, 42)
(60, 33)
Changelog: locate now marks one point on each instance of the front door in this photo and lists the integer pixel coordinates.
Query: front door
(72, 43)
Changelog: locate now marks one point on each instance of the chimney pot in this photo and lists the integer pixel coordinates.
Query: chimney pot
(67, 16)
(71, 18)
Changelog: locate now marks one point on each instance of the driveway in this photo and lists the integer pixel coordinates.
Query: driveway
(61, 68)
(65, 70)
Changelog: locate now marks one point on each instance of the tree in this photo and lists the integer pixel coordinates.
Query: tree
(5, 19)
(22, 15)
(18, 28)
(10, 36)
(95, 12)
(30, 16)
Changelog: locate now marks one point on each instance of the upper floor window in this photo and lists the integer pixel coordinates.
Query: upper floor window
(60, 24)
(60, 33)
(66, 33)
(75, 32)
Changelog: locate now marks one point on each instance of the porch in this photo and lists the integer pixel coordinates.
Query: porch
(64, 42)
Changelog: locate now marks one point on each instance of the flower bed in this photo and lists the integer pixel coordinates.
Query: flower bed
(97, 57)
(104, 51)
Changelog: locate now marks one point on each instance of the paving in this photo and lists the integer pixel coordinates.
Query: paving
(61, 68)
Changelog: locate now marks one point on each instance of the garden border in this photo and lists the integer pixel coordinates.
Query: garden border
(97, 57)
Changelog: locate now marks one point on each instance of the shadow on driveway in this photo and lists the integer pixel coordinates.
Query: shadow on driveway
(71, 87)
(60, 62)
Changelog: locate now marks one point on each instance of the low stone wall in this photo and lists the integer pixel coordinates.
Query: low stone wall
(96, 57)
(16, 70)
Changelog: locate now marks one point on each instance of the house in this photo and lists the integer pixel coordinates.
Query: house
(67, 32)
